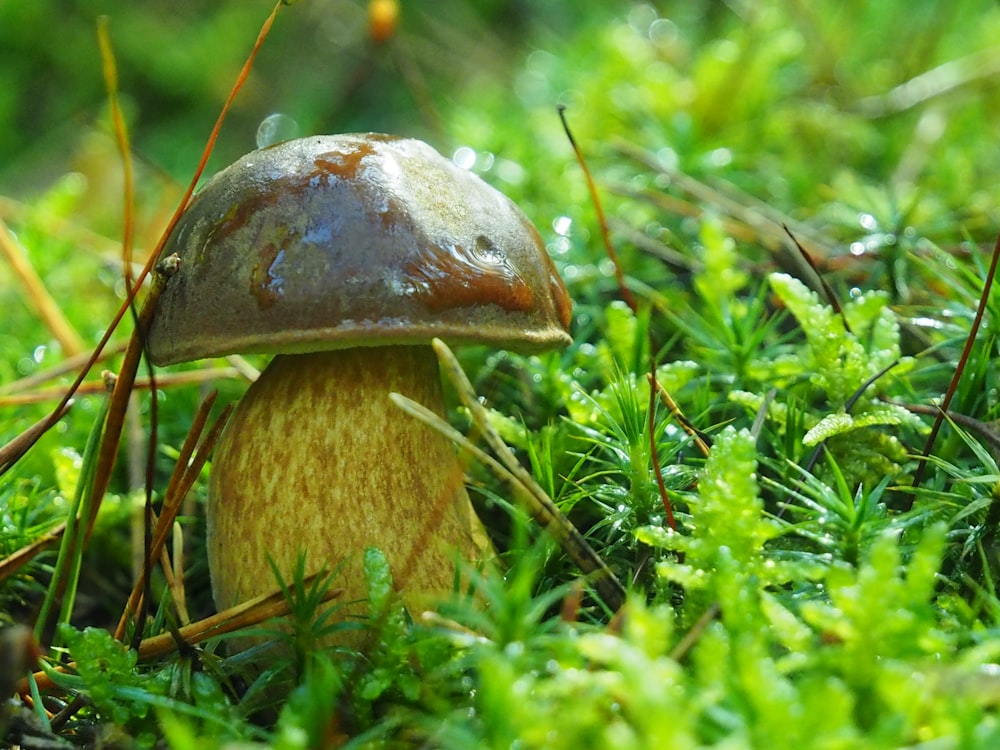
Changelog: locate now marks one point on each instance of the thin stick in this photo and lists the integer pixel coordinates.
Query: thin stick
(540, 505)
(675, 411)
(11, 452)
(252, 612)
(661, 485)
(36, 292)
(963, 360)
(70, 364)
(629, 299)
(625, 292)
(124, 150)
(214, 135)
(92, 387)
(122, 390)
(128, 232)
(186, 471)
(831, 296)
(983, 429)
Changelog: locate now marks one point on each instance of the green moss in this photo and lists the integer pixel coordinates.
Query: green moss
(792, 602)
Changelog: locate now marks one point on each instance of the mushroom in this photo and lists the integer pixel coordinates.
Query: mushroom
(345, 256)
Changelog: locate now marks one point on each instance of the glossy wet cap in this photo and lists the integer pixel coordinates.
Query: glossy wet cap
(354, 240)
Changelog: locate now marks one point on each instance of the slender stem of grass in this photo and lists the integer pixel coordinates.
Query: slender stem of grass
(602, 221)
(629, 299)
(124, 148)
(956, 378)
(657, 471)
(67, 568)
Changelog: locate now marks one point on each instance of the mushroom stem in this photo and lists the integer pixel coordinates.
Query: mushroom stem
(317, 459)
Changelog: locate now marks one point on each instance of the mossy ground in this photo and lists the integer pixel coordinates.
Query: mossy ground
(795, 578)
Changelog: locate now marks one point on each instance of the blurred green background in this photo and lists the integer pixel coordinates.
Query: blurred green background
(177, 61)
(781, 98)
(872, 127)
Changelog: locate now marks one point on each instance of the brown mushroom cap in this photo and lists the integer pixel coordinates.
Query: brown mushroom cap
(354, 240)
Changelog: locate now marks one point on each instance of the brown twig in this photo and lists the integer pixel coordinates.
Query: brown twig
(831, 296)
(17, 560)
(189, 464)
(46, 307)
(661, 485)
(11, 452)
(68, 365)
(623, 290)
(956, 377)
(700, 439)
(986, 431)
(247, 614)
(629, 299)
(92, 387)
(115, 420)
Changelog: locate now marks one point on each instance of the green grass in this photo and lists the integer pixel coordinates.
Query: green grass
(788, 585)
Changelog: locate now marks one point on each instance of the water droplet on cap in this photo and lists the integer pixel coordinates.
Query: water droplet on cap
(275, 128)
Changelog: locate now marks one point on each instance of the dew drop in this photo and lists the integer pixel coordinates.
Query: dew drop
(276, 128)
(921, 322)
(668, 159)
(663, 32)
(561, 225)
(464, 157)
(485, 161)
(720, 157)
(640, 17)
